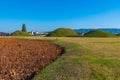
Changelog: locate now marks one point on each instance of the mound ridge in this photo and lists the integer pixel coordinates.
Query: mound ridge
(98, 33)
(63, 32)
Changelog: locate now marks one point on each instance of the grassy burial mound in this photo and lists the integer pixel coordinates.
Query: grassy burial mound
(20, 33)
(98, 33)
(21, 59)
(63, 32)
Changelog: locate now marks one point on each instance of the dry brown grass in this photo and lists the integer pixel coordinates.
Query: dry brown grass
(108, 46)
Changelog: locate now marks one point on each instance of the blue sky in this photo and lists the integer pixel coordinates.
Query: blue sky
(47, 15)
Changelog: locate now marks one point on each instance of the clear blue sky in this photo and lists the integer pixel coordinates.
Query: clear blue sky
(47, 15)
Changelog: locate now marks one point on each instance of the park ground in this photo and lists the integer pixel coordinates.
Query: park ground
(83, 59)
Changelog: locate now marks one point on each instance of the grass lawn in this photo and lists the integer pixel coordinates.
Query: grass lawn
(85, 59)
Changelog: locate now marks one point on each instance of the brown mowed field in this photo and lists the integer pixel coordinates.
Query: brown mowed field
(21, 59)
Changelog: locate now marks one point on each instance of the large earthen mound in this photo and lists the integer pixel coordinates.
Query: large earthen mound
(21, 59)
(98, 33)
(63, 32)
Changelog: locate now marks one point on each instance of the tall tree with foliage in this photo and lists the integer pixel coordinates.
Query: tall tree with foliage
(24, 28)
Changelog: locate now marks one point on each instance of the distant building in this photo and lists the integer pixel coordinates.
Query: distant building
(4, 34)
(44, 33)
(33, 33)
(36, 33)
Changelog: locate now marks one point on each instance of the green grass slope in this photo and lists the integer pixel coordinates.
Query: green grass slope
(20, 33)
(63, 32)
(81, 63)
(98, 33)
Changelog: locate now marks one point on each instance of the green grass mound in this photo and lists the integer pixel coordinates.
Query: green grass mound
(98, 33)
(20, 33)
(63, 32)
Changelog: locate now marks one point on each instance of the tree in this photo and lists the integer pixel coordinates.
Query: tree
(24, 28)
